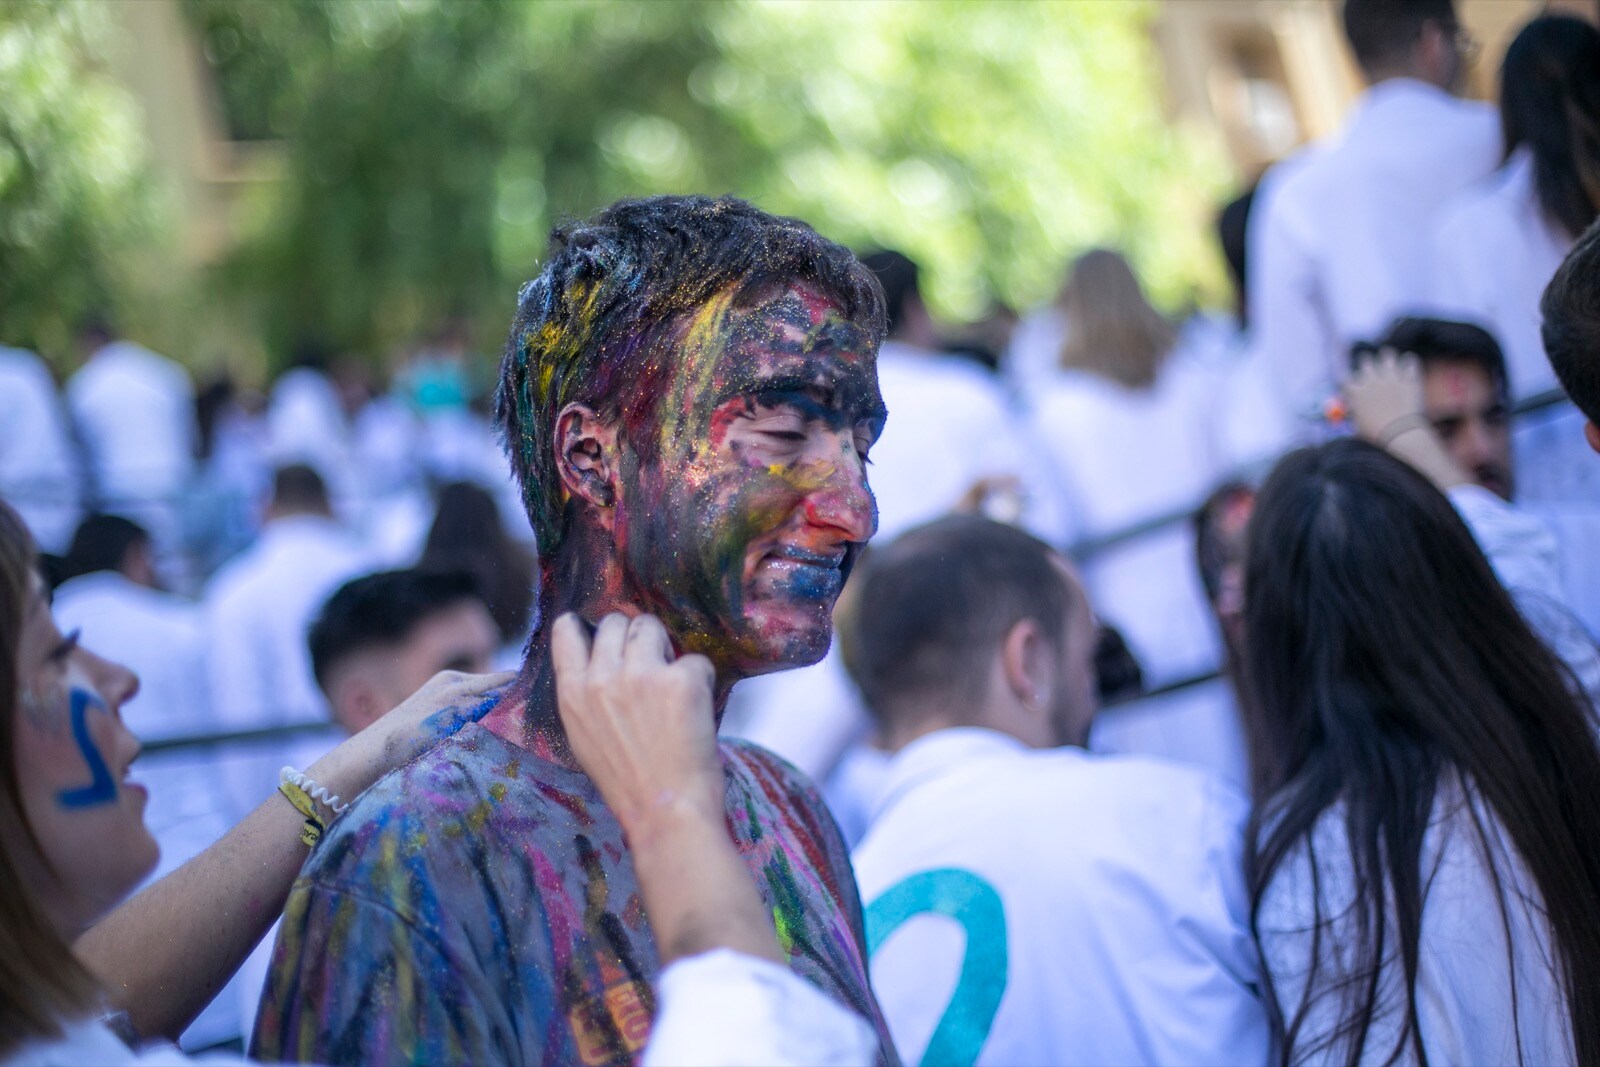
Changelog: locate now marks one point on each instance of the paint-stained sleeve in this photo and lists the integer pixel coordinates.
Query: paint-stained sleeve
(824, 845)
(355, 981)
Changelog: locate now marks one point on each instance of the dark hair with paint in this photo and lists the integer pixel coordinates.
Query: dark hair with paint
(936, 602)
(1571, 310)
(468, 534)
(1385, 660)
(1435, 341)
(588, 329)
(382, 610)
(102, 543)
(1550, 103)
(42, 984)
(899, 275)
(1382, 32)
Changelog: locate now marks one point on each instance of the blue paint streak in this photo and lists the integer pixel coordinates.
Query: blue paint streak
(102, 788)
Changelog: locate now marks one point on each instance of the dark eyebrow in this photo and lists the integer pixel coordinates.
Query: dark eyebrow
(834, 393)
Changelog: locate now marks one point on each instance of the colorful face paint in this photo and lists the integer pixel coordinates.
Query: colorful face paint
(739, 522)
(102, 787)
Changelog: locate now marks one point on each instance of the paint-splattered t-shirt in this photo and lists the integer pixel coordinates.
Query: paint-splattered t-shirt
(479, 906)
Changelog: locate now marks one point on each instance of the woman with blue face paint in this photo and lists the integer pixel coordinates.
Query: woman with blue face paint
(73, 844)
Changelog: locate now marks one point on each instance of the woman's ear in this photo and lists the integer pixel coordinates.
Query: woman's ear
(1591, 433)
(586, 457)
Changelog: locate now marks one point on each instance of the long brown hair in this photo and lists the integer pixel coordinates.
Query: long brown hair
(41, 983)
(1112, 329)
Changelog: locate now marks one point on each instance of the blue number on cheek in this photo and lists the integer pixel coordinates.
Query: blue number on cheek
(973, 903)
(102, 788)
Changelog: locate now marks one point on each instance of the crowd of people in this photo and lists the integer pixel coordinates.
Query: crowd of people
(1147, 690)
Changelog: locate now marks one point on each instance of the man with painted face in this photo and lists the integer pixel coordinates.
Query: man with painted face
(687, 395)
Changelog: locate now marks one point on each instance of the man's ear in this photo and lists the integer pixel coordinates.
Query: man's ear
(586, 456)
(1592, 433)
(1022, 657)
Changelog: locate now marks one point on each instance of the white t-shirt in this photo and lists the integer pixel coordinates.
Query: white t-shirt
(1340, 241)
(258, 608)
(157, 635)
(1125, 456)
(1494, 251)
(1466, 968)
(949, 425)
(1058, 907)
(39, 470)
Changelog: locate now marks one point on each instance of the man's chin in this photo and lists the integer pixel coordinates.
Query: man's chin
(773, 645)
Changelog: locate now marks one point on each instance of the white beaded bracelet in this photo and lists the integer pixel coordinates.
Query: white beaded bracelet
(316, 792)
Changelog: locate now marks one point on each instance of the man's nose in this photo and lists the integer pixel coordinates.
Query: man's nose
(1477, 443)
(844, 502)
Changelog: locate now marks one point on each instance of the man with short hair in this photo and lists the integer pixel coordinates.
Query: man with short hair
(258, 605)
(111, 594)
(688, 394)
(1571, 310)
(1340, 238)
(380, 637)
(1102, 897)
(1465, 391)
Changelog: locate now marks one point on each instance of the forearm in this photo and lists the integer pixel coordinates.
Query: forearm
(1422, 449)
(697, 891)
(164, 954)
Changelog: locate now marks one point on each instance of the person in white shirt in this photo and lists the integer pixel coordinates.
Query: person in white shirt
(39, 471)
(258, 606)
(1340, 240)
(1128, 424)
(1101, 897)
(1424, 864)
(1570, 309)
(1434, 395)
(1497, 245)
(115, 602)
(134, 412)
(1500, 242)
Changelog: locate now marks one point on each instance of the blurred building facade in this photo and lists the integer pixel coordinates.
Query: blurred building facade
(1269, 75)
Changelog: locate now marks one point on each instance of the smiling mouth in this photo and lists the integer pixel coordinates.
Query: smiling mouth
(800, 557)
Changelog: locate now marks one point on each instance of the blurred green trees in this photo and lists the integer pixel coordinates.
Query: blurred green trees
(75, 206)
(428, 145)
(431, 143)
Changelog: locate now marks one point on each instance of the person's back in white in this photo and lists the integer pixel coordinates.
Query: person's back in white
(134, 411)
(39, 471)
(1027, 901)
(1341, 244)
(257, 610)
(1107, 890)
(1128, 425)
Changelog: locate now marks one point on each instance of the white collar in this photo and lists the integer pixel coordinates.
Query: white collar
(932, 755)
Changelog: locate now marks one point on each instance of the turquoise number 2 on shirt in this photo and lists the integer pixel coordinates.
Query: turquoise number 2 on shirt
(972, 902)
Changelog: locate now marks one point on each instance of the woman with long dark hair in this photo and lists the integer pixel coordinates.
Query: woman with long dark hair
(1424, 856)
(1498, 246)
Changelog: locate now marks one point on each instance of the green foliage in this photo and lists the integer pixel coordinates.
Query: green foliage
(431, 143)
(74, 203)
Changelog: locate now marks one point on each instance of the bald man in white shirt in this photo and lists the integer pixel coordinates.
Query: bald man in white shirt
(1341, 238)
(1101, 897)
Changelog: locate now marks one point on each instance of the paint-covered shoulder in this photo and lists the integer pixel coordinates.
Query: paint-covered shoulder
(756, 774)
(431, 814)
